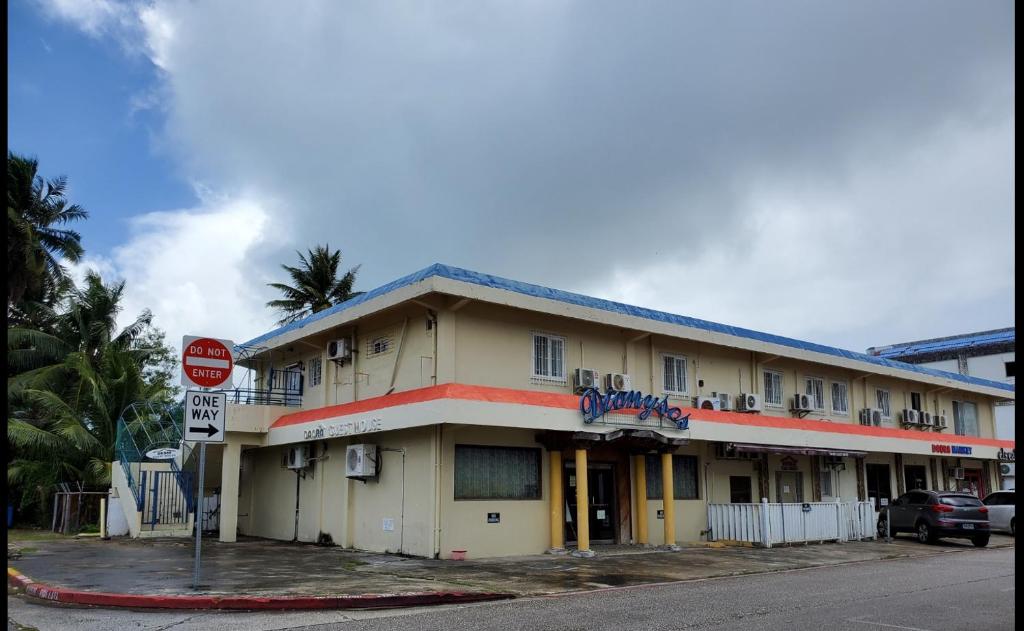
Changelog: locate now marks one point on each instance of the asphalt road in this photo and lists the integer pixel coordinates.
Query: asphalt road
(971, 589)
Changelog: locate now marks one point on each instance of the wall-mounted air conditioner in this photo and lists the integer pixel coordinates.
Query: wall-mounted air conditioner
(925, 418)
(724, 401)
(940, 422)
(618, 381)
(911, 417)
(361, 461)
(584, 378)
(802, 403)
(957, 473)
(707, 403)
(297, 457)
(340, 349)
(748, 402)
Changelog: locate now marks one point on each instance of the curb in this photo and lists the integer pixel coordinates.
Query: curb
(64, 595)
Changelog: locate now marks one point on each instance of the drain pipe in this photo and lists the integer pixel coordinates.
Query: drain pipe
(401, 530)
(298, 480)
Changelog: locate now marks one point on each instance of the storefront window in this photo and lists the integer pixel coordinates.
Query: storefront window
(684, 477)
(497, 473)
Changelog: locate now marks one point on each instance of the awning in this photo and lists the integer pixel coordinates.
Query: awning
(803, 451)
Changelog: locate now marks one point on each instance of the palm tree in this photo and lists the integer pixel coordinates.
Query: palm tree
(35, 243)
(315, 285)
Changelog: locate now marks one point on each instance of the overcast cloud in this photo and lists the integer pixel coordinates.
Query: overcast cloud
(840, 172)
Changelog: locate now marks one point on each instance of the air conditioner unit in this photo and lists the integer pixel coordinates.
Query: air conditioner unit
(940, 421)
(707, 403)
(748, 403)
(1006, 469)
(297, 457)
(832, 461)
(911, 417)
(957, 472)
(340, 349)
(360, 461)
(618, 381)
(871, 416)
(585, 378)
(926, 418)
(724, 401)
(802, 403)
(727, 451)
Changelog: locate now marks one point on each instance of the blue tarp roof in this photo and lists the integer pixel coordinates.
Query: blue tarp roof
(487, 280)
(952, 343)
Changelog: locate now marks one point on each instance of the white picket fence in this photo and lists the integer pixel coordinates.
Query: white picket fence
(774, 523)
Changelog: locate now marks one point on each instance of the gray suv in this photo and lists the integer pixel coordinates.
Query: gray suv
(934, 514)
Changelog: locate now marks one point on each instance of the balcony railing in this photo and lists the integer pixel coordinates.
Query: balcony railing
(273, 396)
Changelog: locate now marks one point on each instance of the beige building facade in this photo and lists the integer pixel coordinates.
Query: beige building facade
(462, 391)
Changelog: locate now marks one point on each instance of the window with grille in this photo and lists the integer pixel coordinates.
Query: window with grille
(674, 373)
(773, 388)
(548, 357)
(814, 388)
(497, 473)
(379, 345)
(965, 418)
(882, 402)
(826, 482)
(314, 368)
(684, 477)
(840, 398)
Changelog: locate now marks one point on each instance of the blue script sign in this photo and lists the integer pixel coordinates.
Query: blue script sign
(594, 405)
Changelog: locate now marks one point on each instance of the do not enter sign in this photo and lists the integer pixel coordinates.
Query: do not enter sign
(206, 362)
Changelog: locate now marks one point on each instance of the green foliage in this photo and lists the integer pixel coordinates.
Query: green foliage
(315, 285)
(71, 370)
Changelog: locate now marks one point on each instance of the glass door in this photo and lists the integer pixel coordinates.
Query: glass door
(601, 506)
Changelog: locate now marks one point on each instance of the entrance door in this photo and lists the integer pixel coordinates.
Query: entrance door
(914, 477)
(973, 482)
(601, 506)
(879, 483)
(789, 486)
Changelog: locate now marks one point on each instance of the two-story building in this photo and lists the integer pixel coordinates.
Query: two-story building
(480, 408)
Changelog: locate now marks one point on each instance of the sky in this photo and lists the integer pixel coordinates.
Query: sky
(835, 172)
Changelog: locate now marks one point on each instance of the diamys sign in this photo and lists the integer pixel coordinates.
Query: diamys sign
(594, 405)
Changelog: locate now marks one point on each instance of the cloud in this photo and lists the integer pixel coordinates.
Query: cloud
(641, 152)
(92, 17)
(191, 269)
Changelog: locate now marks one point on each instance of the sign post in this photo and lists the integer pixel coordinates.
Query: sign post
(204, 423)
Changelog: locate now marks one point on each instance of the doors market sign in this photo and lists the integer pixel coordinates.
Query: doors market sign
(594, 405)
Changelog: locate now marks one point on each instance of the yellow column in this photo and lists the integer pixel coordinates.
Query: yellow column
(231, 465)
(668, 494)
(640, 464)
(557, 504)
(582, 505)
(103, 518)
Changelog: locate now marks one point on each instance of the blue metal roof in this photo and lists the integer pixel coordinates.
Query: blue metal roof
(487, 280)
(952, 343)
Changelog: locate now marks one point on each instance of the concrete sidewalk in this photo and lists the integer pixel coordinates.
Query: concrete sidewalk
(268, 569)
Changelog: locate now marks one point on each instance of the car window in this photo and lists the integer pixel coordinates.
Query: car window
(960, 500)
(915, 498)
(995, 499)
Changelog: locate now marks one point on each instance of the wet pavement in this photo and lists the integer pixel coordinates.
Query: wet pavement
(261, 567)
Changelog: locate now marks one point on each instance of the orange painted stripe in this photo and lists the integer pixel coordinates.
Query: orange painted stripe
(571, 402)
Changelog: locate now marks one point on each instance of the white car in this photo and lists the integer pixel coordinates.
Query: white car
(1001, 508)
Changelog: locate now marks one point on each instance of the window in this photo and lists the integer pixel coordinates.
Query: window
(915, 401)
(826, 482)
(674, 373)
(965, 418)
(882, 402)
(840, 398)
(548, 357)
(684, 477)
(379, 345)
(773, 388)
(915, 498)
(1009, 370)
(740, 489)
(315, 369)
(815, 389)
(497, 473)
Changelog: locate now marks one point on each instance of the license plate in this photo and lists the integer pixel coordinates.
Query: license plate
(968, 526)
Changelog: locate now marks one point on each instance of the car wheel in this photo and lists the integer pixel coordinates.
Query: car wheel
(980, 542)
(924, 533)
(881, 529)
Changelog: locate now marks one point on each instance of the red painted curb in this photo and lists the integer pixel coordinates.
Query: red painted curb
(145, 601)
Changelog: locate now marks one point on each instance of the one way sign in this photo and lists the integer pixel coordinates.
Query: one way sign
(204, 416)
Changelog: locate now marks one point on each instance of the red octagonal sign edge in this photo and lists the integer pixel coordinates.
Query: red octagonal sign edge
(206, 362)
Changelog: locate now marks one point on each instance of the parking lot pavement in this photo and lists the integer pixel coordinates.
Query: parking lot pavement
(267, 568)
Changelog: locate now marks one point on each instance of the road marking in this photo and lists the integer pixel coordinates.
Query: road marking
(882, 624)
